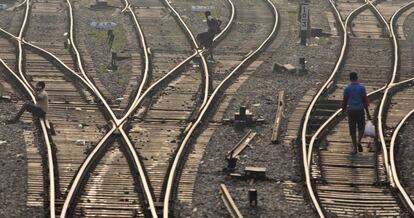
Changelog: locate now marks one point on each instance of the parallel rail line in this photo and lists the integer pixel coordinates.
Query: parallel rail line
(181, 150)
(118, 124)
(81, 174)
(333, 119)
(394, 179)
(29, 90)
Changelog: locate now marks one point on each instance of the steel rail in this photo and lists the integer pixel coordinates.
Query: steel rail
(141, 172)
(80, 64)
(19, 42)
(45, 132)
(325, 86)
(229, 23)
(183, 145)
(325, 125)
(18, 6)
(407, 199)
(196, 46)
(29, 90)
(91, 85)
(381, 111)
(135, 157)
(330, 119)
(82, 173)
(60, 63)
(147, 63)
(395, 182)
(382, 18)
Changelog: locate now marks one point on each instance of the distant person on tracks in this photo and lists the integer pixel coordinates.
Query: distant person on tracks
(39, 109)
(206, 38)
(354, 102)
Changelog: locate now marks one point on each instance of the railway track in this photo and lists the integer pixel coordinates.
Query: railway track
(397, 105)
(206, 82)
(120, 84)
(188, 137)
(157, 126)
(82, 108)
(77, 119)
(340, 184)
(228, 54)
(131, 151)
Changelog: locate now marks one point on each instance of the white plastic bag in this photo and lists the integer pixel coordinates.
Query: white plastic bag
(369, 129)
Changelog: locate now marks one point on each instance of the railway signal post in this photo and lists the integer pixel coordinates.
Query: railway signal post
(304, 20)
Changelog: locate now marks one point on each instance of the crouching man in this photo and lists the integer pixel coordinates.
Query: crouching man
(39, 109)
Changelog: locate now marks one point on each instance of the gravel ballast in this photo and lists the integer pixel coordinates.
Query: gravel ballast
(13, 162)
(283, 193)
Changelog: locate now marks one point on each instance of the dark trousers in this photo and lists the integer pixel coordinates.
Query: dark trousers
(356, 120)
(206, 39)
(33, 109)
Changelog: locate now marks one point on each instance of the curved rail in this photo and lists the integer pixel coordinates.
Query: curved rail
(29, 90)
(329, 121)
(118, 124)
(19, 42)
(83, 170)
(229, 23)
(386, 87)
(381, 17)
(394, 175)
(90, 85)
(325, 86)
(214, 94)
(141, 173)
(61, 64)
(308, 159)
(196, 46)
(80, 64)
(384, 99)
(80, 176)
(146, 68)
(401, 189)
(45, 132)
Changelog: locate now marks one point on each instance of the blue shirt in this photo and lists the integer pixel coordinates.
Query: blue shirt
(355, 93)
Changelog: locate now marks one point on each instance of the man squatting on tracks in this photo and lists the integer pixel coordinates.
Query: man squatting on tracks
(39, 109)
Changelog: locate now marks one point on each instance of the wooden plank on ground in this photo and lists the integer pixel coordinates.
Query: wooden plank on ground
(278, 117)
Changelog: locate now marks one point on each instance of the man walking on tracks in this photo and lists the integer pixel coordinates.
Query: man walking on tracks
(354, 102)
(39, 109)
(206, 38)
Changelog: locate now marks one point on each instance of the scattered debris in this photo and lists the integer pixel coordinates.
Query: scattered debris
(258, 173)
(199, 8)
(284, 67)
(278, 117)
(243, 118)
(103, 25)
